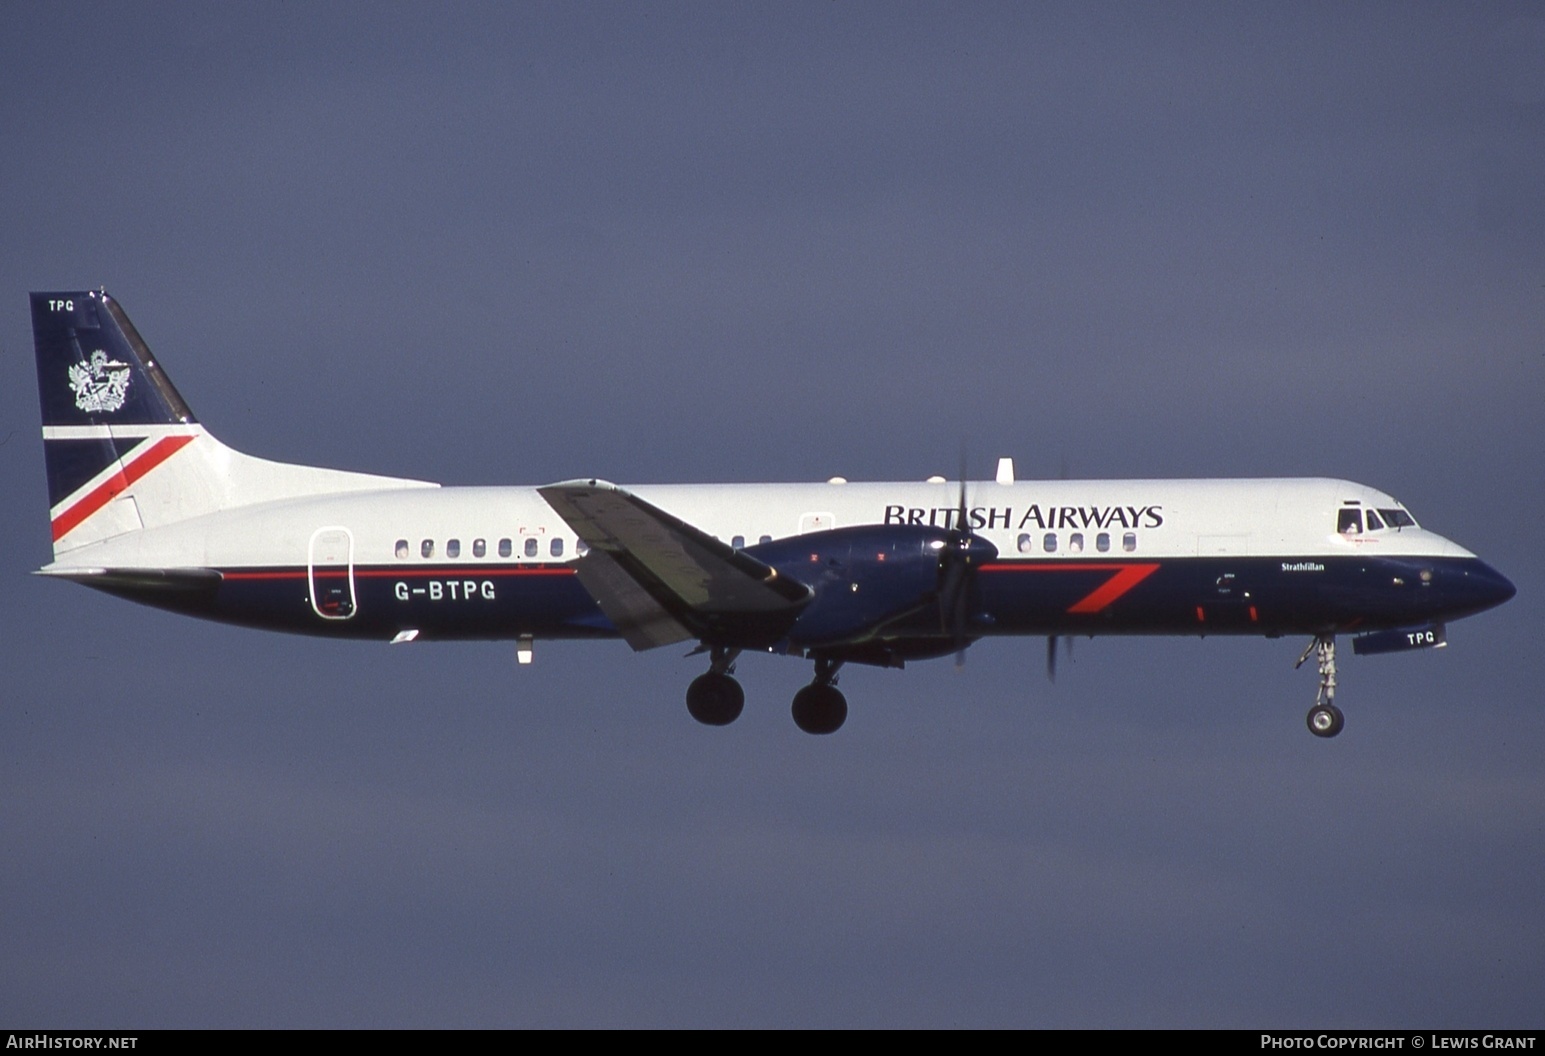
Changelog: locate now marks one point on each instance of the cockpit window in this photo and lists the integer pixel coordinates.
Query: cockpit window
(1374, 524)
(1398, 518)
(1350, 522)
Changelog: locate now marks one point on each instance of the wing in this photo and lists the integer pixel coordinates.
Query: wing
(660, 580)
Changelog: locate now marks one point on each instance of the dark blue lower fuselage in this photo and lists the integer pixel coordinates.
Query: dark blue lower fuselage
(1180, 596)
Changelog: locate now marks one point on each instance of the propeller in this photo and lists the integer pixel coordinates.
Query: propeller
(963, 550)
(1051, 655)
(1051, 641)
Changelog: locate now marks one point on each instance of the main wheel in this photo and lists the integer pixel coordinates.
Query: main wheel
(1325, 720)
(820, 709)
(715, 700)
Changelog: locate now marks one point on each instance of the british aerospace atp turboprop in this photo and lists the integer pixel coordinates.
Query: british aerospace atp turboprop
(147, 505)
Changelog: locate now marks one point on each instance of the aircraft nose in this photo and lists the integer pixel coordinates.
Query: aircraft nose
(1501, 587)
(1483, 587)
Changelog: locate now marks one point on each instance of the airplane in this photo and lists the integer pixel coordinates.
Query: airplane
(147, 505)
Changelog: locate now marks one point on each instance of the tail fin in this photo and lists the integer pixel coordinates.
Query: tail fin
(111, 416)
(93, 367)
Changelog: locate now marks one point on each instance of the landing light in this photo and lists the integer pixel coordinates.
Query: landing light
(936, 544)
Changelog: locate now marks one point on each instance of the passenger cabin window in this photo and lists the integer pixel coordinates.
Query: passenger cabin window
(1102, 542)
(1024, 543)
(402, 549)
(506, 548)
(427, 548)
(765, 539)
(1350, 522)
(556, 548)
(738, 542)
(581, 548)
(1049, 544)
(453, 548)
(531, 546)
(1076, 543)
(1129, 542)
(479, 548)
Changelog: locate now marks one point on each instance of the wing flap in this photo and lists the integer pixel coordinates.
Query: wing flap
(643, 622)
(648, 569)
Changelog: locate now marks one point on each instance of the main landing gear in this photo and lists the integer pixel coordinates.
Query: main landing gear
(1325, 719)
(820, 707)
(716, 699)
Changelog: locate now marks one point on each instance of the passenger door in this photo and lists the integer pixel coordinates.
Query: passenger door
(330, 573)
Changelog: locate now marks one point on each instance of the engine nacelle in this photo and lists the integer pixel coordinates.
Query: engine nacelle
(862, 578)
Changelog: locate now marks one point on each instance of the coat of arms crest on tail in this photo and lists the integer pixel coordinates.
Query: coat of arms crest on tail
(100, 384)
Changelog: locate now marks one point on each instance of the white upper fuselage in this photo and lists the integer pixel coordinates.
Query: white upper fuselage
(1058, 519)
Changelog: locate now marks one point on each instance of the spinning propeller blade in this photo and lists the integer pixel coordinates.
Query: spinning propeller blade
(963, 551)
(1051, 655)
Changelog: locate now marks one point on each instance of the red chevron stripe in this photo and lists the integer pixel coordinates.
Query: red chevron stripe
(1117, 585)
(1123, 578)
(118, 483)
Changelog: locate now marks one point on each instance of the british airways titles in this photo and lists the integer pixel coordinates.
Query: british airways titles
(1049, 518)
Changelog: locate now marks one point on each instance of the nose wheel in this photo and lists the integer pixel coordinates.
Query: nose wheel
(1325, 719)
(820, 707)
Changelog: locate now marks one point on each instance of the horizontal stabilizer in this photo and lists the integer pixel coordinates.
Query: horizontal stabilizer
(139, 580)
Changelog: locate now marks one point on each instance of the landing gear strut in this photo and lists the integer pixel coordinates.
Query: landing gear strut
(1325, 719)
(716, 699)
(820, 707)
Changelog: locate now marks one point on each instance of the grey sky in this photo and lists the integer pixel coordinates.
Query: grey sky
(515, 244)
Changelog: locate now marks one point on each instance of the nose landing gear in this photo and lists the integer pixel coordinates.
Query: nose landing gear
(820, 707)
(1325, 719)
